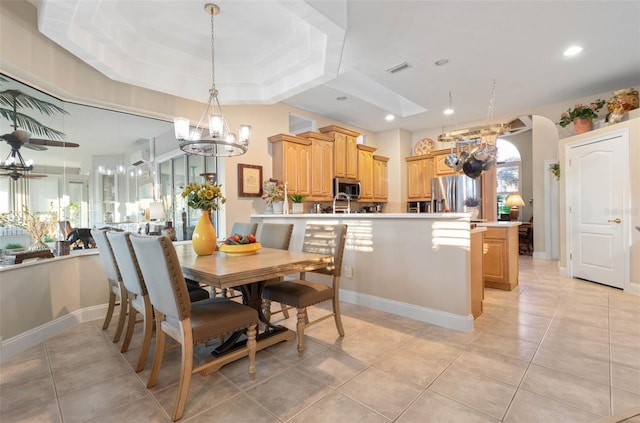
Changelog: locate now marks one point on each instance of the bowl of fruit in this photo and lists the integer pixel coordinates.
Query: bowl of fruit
(240, 245)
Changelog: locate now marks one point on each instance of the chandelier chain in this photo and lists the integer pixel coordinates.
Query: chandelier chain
(491, 101)
(213, 63)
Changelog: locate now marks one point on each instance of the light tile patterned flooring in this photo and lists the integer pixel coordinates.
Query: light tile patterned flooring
(553, 350)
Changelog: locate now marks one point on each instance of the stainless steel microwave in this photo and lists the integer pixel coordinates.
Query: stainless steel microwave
(351, 187)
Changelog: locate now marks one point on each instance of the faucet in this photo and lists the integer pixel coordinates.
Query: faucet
(342, 209)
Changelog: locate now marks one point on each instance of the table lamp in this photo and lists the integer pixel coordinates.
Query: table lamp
(156, 210)
(514, 201)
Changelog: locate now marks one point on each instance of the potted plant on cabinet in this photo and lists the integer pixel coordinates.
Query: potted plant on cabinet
(472, 206)
(581, 116)
(297, 205)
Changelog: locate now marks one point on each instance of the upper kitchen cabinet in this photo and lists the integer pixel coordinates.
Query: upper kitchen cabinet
(380, 179)
(345, 151)
(441, 169)
(419, 173)
(322, 159)
(292, 162)
(365, 171)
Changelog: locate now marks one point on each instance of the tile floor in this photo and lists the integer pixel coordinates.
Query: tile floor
(552, 350)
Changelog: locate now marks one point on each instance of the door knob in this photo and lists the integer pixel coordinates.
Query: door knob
(616, 220)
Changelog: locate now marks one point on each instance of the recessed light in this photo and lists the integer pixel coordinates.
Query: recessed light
(389, 117)
(341, 98)
(572, 51)
(448, 111)
(442, 62)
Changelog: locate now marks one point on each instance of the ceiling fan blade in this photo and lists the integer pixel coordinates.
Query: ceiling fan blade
(51, 143)
(35, 147)
(17, 175)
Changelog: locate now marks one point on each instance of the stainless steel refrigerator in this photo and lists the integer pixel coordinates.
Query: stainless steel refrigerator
(450, 192)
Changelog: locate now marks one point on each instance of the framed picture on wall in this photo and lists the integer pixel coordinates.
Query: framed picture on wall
(249, 180)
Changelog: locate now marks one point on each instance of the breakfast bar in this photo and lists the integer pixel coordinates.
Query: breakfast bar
(415, 265)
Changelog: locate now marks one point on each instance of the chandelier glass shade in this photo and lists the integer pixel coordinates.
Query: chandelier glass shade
(217, 140)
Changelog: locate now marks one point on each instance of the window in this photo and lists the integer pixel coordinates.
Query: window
(508, 171)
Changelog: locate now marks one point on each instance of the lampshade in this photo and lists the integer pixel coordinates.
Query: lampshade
(156, 210)
(221, 142)
(514, 200)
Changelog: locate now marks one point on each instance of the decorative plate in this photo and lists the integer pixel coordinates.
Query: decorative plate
(424, 146)
(240, 249)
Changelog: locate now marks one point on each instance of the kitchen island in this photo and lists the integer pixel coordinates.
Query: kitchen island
(415, 265)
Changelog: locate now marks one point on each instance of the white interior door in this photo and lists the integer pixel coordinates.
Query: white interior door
(597, 192)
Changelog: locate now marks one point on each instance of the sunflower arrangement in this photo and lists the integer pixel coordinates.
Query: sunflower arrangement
(205, 196)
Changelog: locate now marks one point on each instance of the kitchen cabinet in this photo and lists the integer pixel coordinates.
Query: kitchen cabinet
(501, 255)
(322, 157)
(292, 162)
(365, 172)
(345, 153)
(441, 169)
(477, 270)
(380, 179)
(419, 174)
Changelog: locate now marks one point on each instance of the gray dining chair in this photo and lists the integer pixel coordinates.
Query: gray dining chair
(117, 291)
(301, 293)
(138, 298)
(276, 235)
(188, 323)
(244, 228)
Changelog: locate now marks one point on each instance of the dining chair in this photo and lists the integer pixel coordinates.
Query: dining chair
(117, 291)
(244, 228)
(188, 323)
(300, 293)
(138, 298)
(277, 235)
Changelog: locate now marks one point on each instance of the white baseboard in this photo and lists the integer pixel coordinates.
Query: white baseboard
(28, 339)
(564, 271)
(424, 314)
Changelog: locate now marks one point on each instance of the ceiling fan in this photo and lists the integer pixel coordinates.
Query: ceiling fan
(14, 165)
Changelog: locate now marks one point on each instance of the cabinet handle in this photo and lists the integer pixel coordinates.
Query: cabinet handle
(616, 220)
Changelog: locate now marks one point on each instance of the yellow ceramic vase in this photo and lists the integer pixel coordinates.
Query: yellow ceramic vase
(204, 235)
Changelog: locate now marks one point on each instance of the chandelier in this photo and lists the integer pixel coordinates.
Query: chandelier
(220, 142)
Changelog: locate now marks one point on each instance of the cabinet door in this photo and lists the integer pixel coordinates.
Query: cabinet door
(414, 182)
(441, 168)
(351, 154)
(419, 174)
(340, 157)
(495, 260)
(380, 183)
(322, 166)
(296, 167)
(365, 174)
(427, 175)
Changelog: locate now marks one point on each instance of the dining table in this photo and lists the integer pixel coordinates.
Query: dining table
(248, 274)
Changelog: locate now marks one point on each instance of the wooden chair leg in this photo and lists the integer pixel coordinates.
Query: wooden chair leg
(337, 317)
(160, 347)
(300, 328)
(123, 312)
(147, 334)
(131, 323)
(185, 374)
(251, 344)
(285, 312)
(112, 305)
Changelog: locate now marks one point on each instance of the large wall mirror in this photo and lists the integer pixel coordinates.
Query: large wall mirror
(112, 177)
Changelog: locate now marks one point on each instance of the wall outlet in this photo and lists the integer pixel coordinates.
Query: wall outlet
(347, 271)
